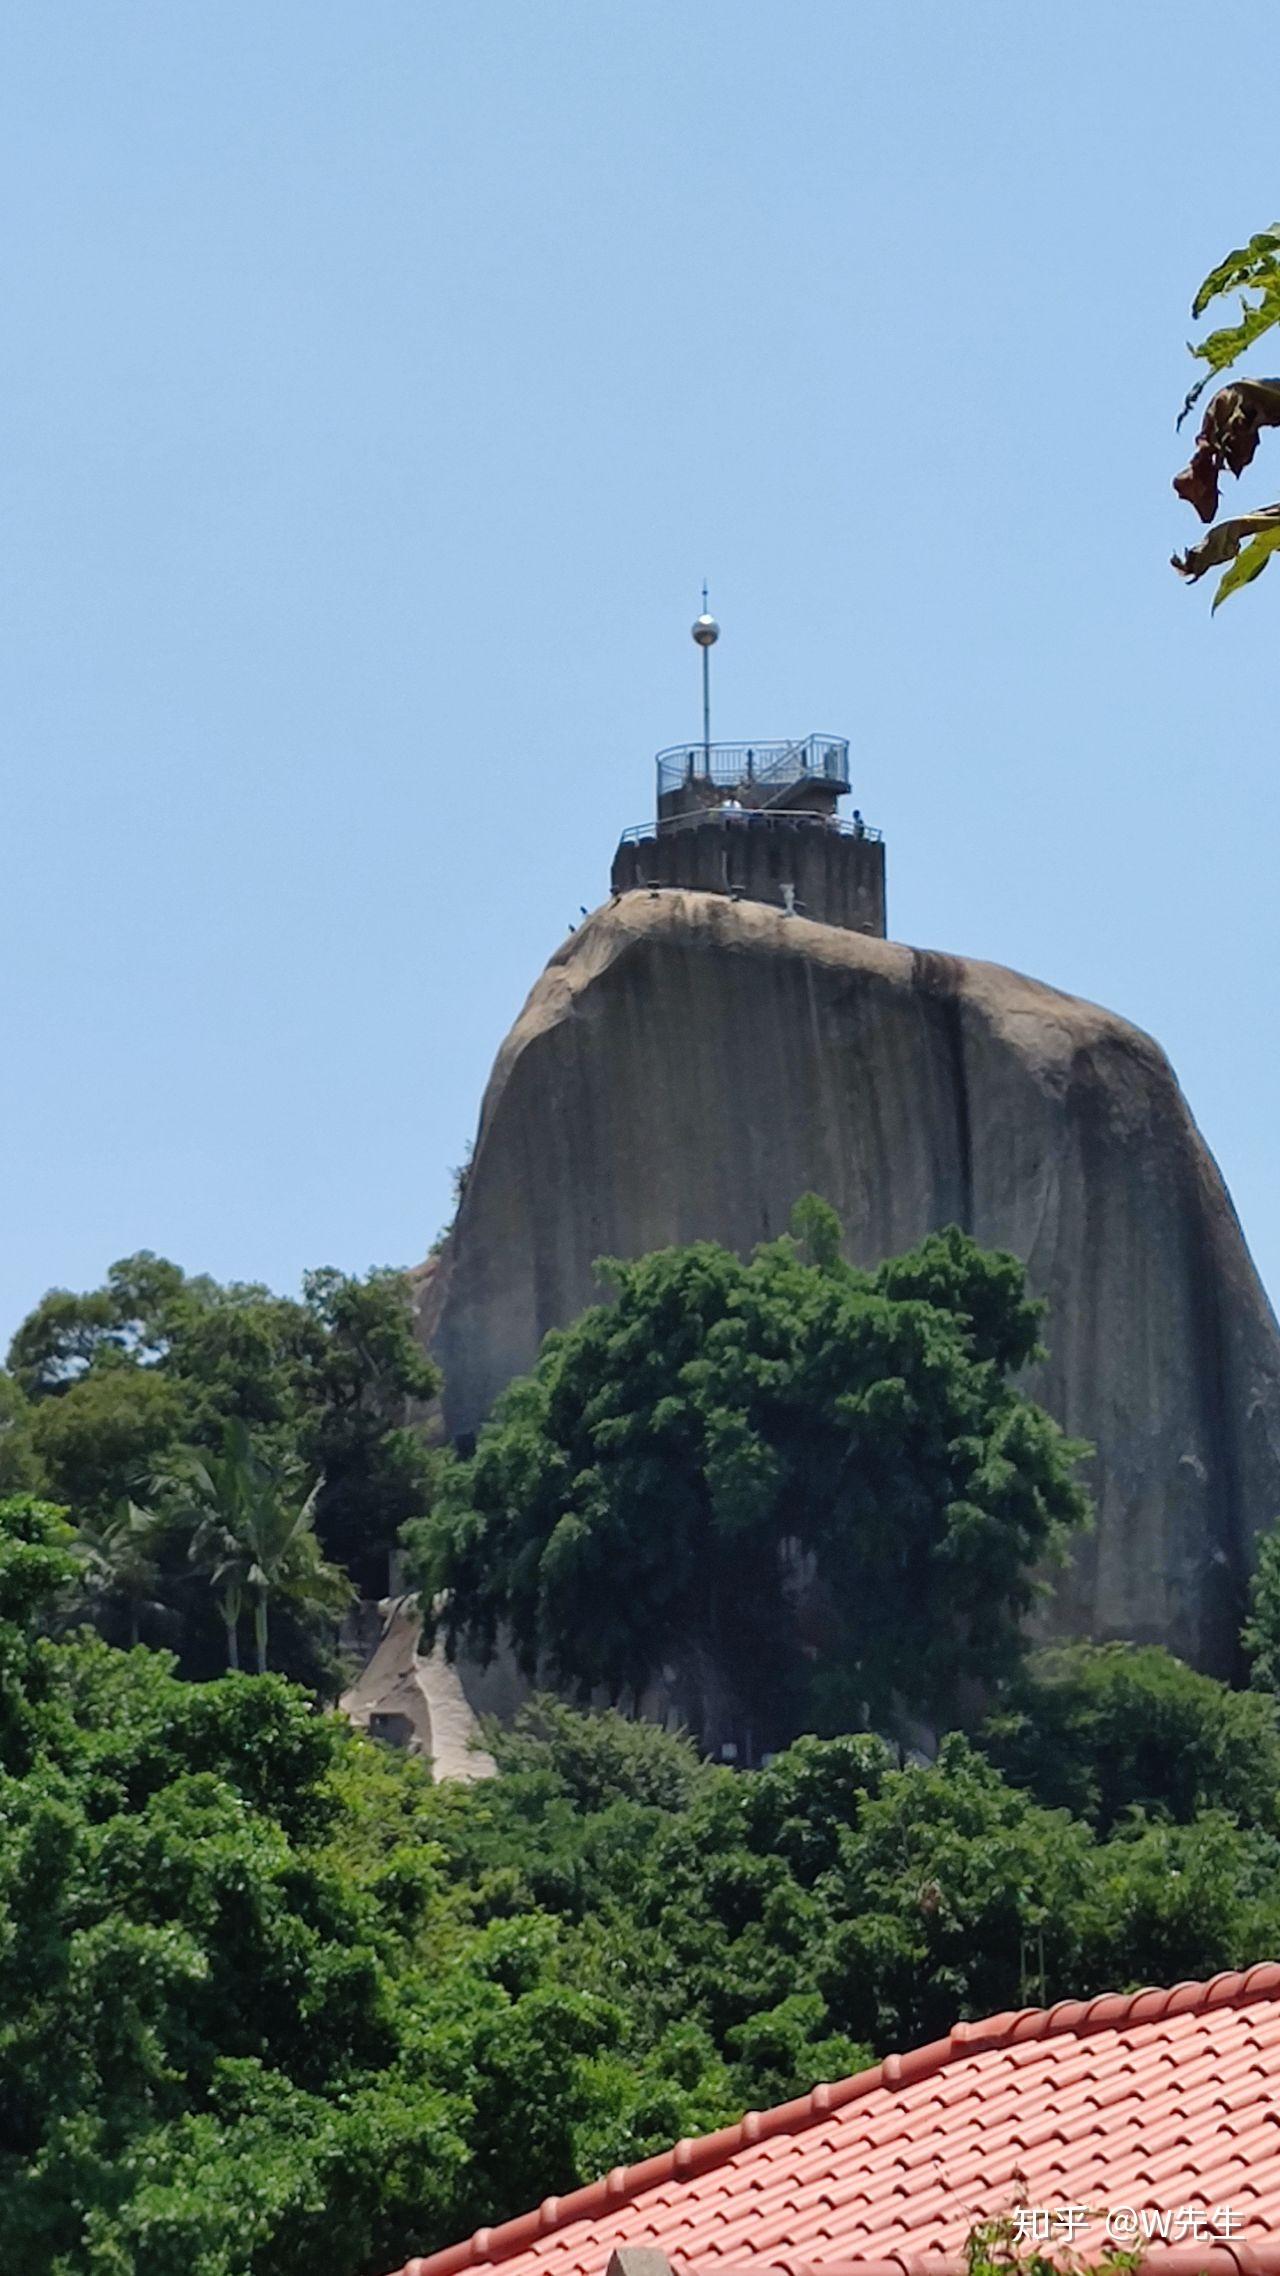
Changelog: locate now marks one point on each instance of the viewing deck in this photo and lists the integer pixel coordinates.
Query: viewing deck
(758, 775)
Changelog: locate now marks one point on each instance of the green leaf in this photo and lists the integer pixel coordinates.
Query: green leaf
(1254, 267)
(1249, 564)
(1222, 348)
(1251, 264)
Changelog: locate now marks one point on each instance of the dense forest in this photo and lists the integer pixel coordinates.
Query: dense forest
(270, 1999)
(237, 1465)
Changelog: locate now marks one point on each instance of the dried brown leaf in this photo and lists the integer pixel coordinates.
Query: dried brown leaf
(1224, 542)
(1228, 438)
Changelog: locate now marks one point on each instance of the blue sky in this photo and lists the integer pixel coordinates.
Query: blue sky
(379, 383)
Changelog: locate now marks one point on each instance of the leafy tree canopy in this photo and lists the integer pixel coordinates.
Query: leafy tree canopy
(246, 2027)
(738, 1471)
(270, 2000)
(250, 1527)
(19, 1469)
(103, 1389)
(1261, 1637)
(1102, 1730)
(593, 1760)
(888, 1902)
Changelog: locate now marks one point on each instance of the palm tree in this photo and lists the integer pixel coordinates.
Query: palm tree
(252, 1535)
(289, 1566)
(119, 1561)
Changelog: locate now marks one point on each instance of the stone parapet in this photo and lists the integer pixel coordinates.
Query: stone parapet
(799, 863)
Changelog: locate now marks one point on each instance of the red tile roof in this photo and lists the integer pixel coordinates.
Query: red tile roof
(1153, 2099)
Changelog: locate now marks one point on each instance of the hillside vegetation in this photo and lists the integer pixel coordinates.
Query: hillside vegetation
(270, 2000)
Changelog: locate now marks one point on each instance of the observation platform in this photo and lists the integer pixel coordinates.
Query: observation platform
(758, 822)
(809, 775)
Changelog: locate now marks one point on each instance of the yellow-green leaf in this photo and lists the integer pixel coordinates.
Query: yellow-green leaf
(1221, 348)
(1252, 264)
(1249, 563)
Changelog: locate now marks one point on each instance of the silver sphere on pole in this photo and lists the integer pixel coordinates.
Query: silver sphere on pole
(706, 632)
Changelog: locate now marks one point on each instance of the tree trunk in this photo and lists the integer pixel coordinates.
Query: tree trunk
(133, 1622)
(233, 1642)
(260, 1632)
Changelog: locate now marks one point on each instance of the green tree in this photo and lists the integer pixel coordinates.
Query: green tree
(104, 1386)
(1261, 1634)
(1170, 1902)
(1232, 423)
(251, 1529)
(120, 1562)
(245, 2025)
(598, 1759)
(833, 1897)
(270, 2000)
(361, 1394)
(96, 1440)
(37, 1565)
(1103, 1729)
(198, 2055)
(738, 1463)
(19, 1469)
(153, 1315)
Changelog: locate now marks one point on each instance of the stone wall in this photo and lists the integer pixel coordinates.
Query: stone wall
(834, 877)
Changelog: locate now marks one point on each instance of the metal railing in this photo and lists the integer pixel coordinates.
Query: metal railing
(747, 817)
(821, 758)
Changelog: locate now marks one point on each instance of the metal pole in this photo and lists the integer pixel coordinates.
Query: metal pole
(706, 632)
(706, 696)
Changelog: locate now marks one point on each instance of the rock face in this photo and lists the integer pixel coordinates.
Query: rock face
(688, 1065)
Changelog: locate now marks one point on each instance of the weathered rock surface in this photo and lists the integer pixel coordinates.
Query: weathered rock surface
(688, 1065)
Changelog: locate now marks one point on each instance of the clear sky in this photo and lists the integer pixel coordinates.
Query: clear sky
(380, 381)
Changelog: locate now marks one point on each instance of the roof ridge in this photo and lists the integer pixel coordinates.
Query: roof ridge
(1106, 2011)
(1219, 2256)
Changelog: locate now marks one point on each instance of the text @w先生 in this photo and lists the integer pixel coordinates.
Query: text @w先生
(1126, 2225)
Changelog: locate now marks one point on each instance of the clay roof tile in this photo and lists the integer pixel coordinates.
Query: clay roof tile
(1117, 2099)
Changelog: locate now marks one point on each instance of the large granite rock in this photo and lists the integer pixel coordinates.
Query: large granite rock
(687, 1065)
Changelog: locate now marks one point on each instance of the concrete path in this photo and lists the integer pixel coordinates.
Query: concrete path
(416, 1700)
